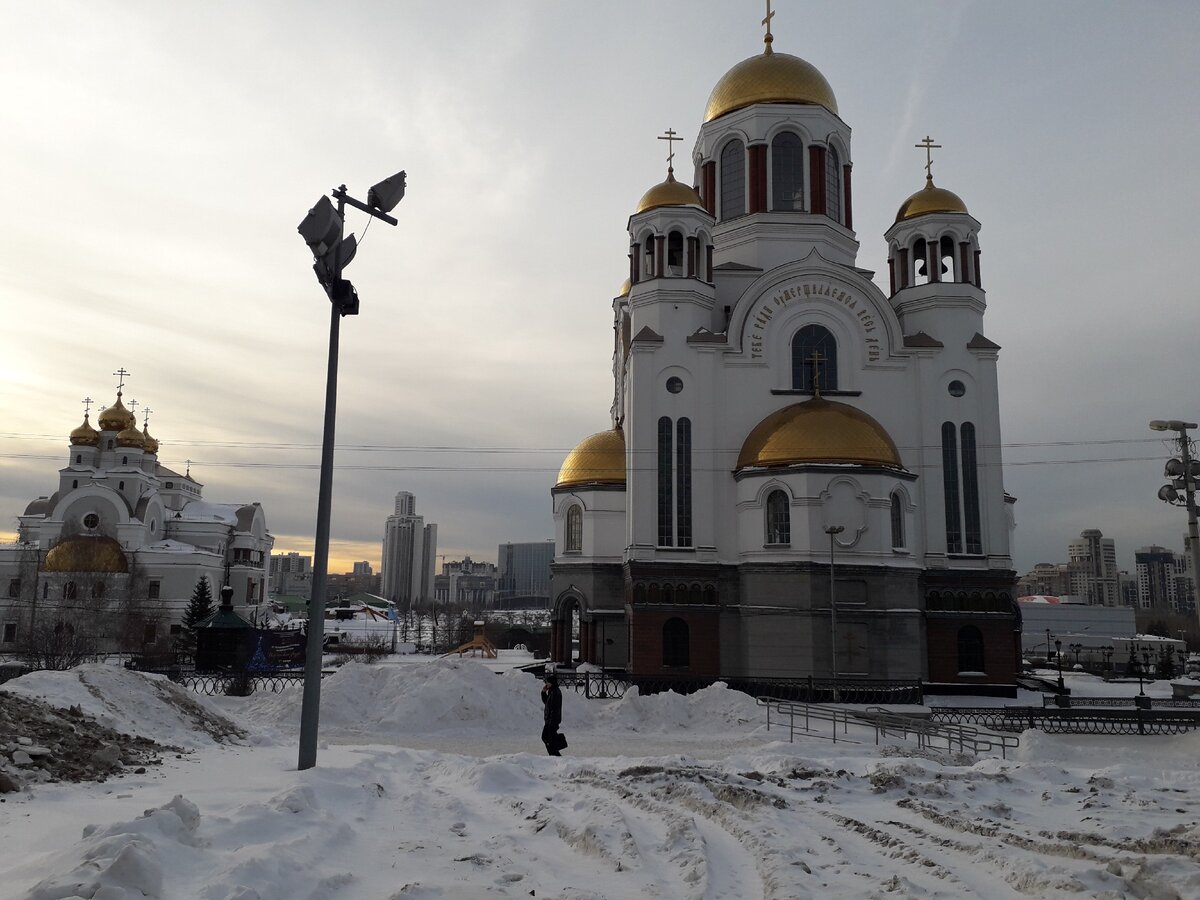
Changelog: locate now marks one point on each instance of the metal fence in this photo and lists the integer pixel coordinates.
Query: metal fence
(1145, 702)
(1072, 721)
(819, 720)
(238, 685)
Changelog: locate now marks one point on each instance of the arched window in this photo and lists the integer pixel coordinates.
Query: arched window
(733, 180)
(574, 541)
(668, 593)
(683, 482)
(648, 257)
(779, 518)
(675, 254)
(946, 255)
(808, 340)
(78, 458)
(124, 460)
(950, 488)
(98, 590)
(787, 172)
(666, 523)
(920, 259)
(833, 185)
(897, 522)
(675, 650)
(970, 475)
(69, 591)
(970, 649)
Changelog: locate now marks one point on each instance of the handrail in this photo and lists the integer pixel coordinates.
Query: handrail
(888, 724)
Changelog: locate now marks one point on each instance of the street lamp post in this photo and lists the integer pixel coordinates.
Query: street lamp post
(1183, 473)
(323, 231)
(833, 531)
(1107, 650)
(1058, 659)
(1076, 648)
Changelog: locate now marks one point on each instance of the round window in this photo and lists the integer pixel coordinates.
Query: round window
(674, 384)
(91, 520)
(956, 388)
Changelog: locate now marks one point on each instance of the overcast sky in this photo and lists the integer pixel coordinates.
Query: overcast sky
(158, 157)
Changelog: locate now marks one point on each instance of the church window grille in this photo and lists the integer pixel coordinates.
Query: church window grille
(675, 254)
(833, 185)
(970, 469)
(950, 488)
(897, 522)
(683, 482)
(787, 172)
(970, 650)
(666, 523)
(14, 588)
(574, 529)
(779, 518)
(70, 592)
(733, 180)
(98, 590)
(810, 339)
(10, 632)
(676, 648)
(154, 590)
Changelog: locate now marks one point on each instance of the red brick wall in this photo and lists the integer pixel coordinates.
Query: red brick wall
(999, 649)
(703, 639)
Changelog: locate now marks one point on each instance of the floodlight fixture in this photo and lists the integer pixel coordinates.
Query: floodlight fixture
(385, 195)
(1168, 494)
(321, 228)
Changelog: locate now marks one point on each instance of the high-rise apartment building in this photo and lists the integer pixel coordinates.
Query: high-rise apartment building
(525, 570)
(362, 568)
(1092, 563)
(291, 574)
(1163, 580)
(409, 553)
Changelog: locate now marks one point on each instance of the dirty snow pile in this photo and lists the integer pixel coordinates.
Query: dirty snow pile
(1103, 817)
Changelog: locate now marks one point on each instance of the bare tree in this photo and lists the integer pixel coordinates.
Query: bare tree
(57, 644)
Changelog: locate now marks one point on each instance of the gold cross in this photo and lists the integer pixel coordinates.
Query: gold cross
(146, 416)
(816, 360)
(767, 21)
(929, 146)
(669, 137)
(121, 373)
(189, 468)
(87, 405)
(133, 405)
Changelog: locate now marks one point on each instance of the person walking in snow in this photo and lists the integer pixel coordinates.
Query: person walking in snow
(552, 701)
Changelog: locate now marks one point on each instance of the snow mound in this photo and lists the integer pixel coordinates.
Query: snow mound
(150, 706)
(440, 696)
(714, 709)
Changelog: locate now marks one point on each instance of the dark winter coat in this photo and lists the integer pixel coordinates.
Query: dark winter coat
(552, 701)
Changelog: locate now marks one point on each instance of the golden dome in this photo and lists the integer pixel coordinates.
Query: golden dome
(86, 554)
(818, 431)
(769, 78)
(930, 199)
(626, 286)
(597, 459)
(151, 445)
(668, 193)
(117, 417)
(131, 437)
(85, 434)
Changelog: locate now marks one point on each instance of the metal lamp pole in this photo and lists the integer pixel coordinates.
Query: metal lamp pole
(833, 531)
(323, 230)
(1184, 476)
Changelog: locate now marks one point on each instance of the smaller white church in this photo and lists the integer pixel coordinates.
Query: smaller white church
(124, 540)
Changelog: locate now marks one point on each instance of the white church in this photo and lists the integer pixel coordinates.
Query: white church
(776, 417)
(123, 541)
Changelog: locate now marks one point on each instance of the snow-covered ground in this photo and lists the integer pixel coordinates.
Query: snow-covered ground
(431, 783)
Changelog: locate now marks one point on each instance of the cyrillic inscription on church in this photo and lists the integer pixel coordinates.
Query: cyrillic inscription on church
(761, 317)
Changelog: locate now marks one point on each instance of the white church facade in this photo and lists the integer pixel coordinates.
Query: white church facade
(775, 412)
(123, 541)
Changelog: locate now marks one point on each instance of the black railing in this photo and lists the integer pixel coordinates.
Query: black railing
(604, 685)
(238, 684)
(1144, 702)
(1072, 721)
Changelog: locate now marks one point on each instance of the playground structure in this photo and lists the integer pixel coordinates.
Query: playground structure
(478, 642)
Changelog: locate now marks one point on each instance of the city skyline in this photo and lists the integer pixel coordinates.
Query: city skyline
(165, 237)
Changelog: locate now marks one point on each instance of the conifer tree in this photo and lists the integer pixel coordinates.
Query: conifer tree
(199, 608)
